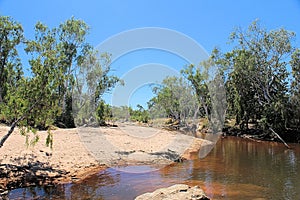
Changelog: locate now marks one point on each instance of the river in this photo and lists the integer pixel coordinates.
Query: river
(235, 169)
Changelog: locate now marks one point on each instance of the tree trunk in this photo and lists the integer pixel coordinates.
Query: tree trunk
(280, 138)
(14, 124)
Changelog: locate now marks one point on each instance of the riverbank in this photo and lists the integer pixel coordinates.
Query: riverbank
(79, 153)
(288, 136)
(22, 166)
(234, 163)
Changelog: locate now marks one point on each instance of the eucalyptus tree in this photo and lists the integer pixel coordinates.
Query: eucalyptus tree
(198, 78)
(11, 35)
(44, 97)
(207, 81)
(259, 74)
(294, 109)
(92, 80)
(176, 98)
(34, 103)
(72, 49)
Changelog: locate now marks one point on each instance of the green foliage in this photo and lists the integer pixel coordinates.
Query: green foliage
(104, 113)
(57, 56)
(199, 80)
(207, 81)
(257, 87)
(32, 102)
(294, 103)
(93, 79)
(11, 35)
(68, 76)
(30, 134)
(258, 90)
(49, 139)
(140, 115)
(46, 76)
(121, 113)
(72, 50)
(175, 98)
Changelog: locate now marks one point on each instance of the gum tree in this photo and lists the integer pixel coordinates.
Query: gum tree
(11, 35)
(72, 50)
(33, 104)
(259, 75)
(294, 117)
(44, 98)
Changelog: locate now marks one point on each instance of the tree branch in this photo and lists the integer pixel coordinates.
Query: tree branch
(14, 124)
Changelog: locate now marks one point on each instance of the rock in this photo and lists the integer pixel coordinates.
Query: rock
(140, 156)
(175, 192)
(196, 149)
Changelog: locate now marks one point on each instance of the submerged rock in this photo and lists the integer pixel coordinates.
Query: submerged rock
(175, 192)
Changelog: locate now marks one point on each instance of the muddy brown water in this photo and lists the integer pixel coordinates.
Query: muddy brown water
(235, 169)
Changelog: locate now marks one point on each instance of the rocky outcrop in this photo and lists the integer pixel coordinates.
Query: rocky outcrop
(175, 192)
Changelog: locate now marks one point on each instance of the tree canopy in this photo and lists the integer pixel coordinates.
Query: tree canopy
(260, 76)
(44, 97)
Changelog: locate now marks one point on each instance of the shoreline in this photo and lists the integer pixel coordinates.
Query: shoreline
(22, 166)
(72, 160)
(22, 180)
(291, 136)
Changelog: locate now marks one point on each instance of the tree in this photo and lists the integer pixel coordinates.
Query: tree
(208, 83)
(294, 114)
(140, 115)
(120, 113)
(259, 75)
(34, 103)
(57, 54)
(11, 35)
(103, 113)
(176, 98)
(92, 81)
(240, 92)
(198, 80)
(72, 49)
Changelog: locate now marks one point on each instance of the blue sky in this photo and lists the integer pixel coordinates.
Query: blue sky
(208, 22)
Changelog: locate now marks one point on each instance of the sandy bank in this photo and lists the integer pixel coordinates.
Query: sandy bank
(20, 166)
(80, 152)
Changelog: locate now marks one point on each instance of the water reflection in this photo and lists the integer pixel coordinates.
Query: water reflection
(235, 169)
